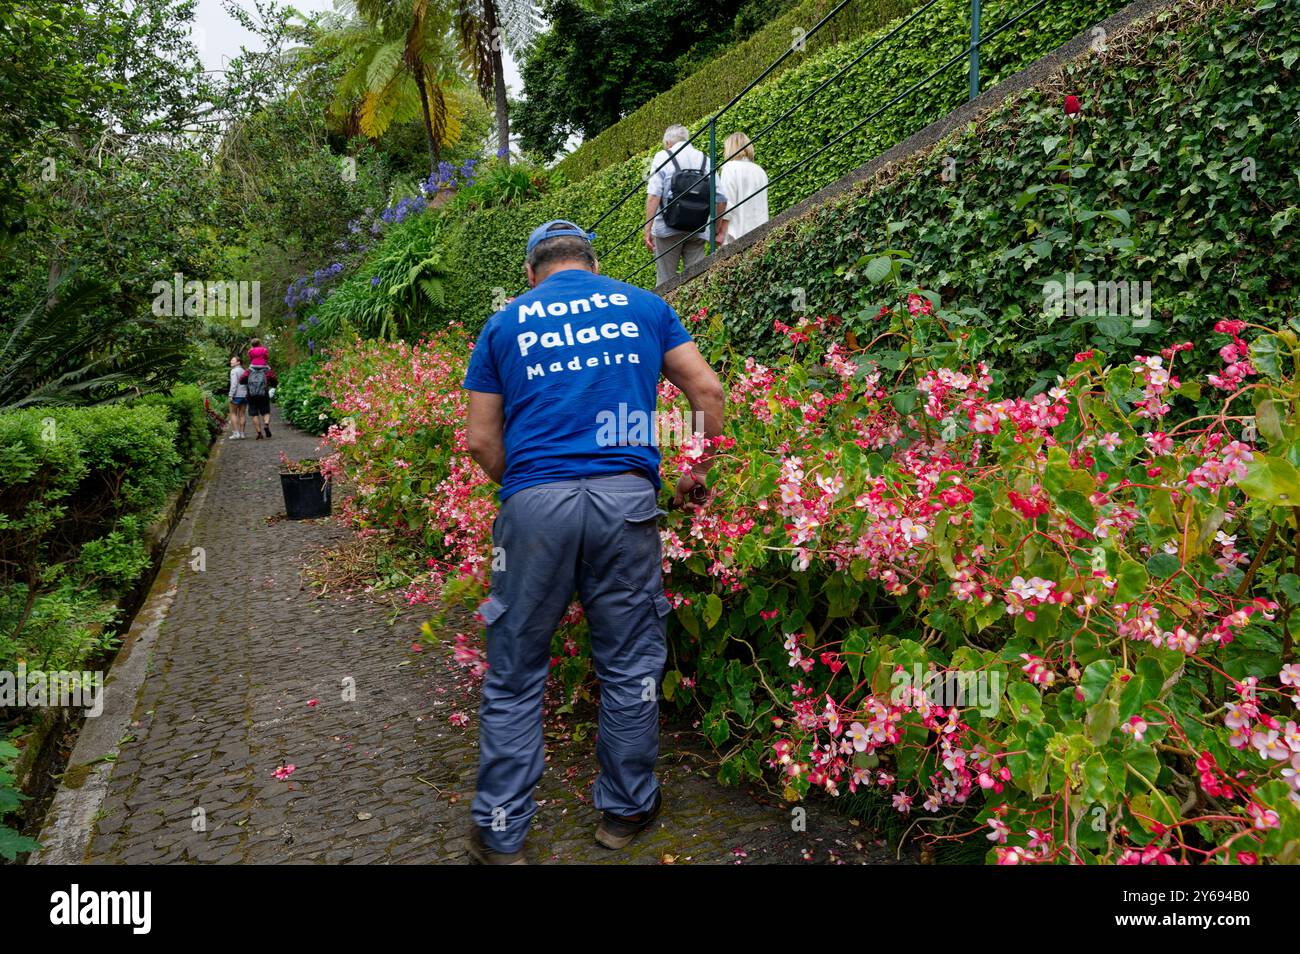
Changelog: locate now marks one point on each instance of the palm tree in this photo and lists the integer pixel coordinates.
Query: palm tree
(402, 67)
(482, 26)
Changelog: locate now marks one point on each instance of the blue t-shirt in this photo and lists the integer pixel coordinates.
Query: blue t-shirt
(577, 362)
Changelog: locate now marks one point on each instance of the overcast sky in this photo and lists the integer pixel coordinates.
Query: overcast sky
(219, 37)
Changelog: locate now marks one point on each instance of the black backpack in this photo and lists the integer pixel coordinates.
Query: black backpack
(686, 207)
(257, 380)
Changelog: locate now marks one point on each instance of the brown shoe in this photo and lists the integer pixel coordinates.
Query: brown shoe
(483, 855)
(617, 831)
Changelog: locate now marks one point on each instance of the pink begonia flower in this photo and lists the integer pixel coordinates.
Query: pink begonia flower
(1265, 818)
(1269, 745)
(999, 832)
(1135, 727)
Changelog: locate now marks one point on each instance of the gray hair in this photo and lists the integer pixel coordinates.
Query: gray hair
(676, 133)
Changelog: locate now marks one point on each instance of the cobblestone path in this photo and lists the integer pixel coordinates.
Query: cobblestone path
(245, 648)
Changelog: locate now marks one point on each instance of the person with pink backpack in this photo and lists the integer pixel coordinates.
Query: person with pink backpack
(259, 379)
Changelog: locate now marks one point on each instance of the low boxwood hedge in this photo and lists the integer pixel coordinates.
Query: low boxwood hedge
(79, 487)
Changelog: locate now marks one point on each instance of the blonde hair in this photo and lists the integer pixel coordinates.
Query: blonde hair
(738, 146)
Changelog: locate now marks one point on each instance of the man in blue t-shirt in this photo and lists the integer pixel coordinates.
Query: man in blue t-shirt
(562, 414)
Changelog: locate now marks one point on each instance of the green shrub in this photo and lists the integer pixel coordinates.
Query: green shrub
(399, 290)
(300, 399)
(116, 560)
(77, 488)
(54, 629)
(499, 184)
(713, 85)
(185, 408)
(130, 453)
(11, 843)
(1155, 156)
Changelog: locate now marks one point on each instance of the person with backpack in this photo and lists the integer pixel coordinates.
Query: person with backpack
(677, 205)
(260, 379)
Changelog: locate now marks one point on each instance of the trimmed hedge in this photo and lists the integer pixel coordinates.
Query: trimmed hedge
(184, 407)
(489, 245)
(1168, 124)
(713, 85)
(78, 489)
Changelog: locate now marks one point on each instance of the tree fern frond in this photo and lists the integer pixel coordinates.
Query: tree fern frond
(385, 63)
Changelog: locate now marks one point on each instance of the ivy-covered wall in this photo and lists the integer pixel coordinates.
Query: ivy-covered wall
(486, 246)
(713, 85)
(1183, 176)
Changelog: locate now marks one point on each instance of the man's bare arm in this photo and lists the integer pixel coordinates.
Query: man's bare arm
(685, 367)
(485, 433)
(651, 210)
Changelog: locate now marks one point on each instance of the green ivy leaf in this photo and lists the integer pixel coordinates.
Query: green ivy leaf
(878, 269)
(672, 679)
(1264, 355)
(1142, 687)
(853, 652)
(1026, 704)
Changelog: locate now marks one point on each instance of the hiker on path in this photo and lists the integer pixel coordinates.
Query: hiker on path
(259, 379)
(579, 511)
(238, 400)
(677, 205)
(746, 182)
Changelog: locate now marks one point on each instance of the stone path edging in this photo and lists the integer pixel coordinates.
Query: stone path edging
(65, 833)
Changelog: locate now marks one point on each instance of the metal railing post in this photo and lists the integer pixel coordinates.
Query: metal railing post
(713, 186)
(974, 48)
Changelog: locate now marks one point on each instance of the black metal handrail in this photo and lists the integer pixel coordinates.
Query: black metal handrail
(970, 53)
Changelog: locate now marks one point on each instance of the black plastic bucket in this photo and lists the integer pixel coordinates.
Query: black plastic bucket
(305, 496)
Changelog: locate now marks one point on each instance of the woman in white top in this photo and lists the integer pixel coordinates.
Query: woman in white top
(740, 179)
(238, 400)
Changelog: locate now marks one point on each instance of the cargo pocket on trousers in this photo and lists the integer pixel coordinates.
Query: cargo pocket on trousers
(639, 549)
(491, 610)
